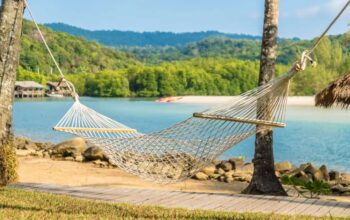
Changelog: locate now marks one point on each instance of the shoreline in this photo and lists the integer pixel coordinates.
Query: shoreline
(292, 100)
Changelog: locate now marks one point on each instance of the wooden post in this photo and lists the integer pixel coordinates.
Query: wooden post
(10, 32)
(264, 179)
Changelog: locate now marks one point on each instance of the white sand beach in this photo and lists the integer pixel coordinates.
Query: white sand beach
(292, 100)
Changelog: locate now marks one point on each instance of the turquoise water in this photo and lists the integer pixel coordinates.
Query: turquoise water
(312, 134)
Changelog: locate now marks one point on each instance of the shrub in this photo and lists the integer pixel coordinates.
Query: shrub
(8, 164)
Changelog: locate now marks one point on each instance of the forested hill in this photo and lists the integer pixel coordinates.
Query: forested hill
(74, 54)
(219, 47)
(115, 38)
(213, 66)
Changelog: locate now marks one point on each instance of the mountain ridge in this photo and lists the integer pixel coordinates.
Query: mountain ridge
(117, 38)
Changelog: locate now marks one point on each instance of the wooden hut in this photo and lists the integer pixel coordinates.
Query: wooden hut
(29, 89)
(58, 88)
(337, 93)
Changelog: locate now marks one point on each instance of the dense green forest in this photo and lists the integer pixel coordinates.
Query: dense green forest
(213, 66)
(115, 38)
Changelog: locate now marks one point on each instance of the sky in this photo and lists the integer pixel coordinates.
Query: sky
(298, 18)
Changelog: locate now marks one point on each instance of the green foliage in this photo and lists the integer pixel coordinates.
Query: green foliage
(317, 187)
(8, 164)
(74, 55)
(213, 66)
(21, 204)
(294, 181)
(314, 188)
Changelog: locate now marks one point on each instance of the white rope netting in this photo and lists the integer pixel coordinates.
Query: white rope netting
(176, 153)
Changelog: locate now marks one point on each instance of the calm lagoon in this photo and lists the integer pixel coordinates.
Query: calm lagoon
(321, 136)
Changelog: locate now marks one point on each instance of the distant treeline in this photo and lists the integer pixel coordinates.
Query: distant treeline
(215, 66)
(115, 38)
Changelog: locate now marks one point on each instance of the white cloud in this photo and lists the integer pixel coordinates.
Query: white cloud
(332, 6)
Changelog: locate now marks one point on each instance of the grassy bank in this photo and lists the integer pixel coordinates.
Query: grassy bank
(20, 204)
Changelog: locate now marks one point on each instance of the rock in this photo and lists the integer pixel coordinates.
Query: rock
(310, 169)
(229, 174)
(221, 178)
(44, 146)
(46, 154)
(303, 176)
(225, 165)
(278, 174)
(214, 176)
(24, 153)
(324, 171)
(70, 148)
(200, 176)
(209, 170)
(220, 171)
(79, 158)
(334, 175)
(236, 162)
(321, 174)
(340, 189)
(24, 144)
(345, 177)
(69, 158)
(243, 178)
(283, 166)
(216, 162)
(229, 179)
(100, 163)
(94, 153)
(247, 168)
(37, 154)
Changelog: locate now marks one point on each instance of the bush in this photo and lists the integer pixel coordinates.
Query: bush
(8, 164)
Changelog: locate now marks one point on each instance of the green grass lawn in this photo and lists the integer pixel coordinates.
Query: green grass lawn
(21, 204)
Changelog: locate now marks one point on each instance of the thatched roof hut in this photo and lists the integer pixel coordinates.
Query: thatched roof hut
(337, 93)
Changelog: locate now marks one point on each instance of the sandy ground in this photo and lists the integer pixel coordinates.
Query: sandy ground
(292, 100)
(41, 170)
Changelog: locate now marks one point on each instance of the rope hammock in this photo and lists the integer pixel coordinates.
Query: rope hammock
(178, 152)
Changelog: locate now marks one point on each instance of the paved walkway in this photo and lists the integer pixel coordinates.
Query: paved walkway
(207, 201)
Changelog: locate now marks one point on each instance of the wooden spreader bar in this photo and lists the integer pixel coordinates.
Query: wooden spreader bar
(241, 120)
(94, 129)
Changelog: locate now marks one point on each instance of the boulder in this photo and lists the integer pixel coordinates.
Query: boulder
(229, 179)
(229, 174)
(200, 176)
(209, 170)
(46, 154)
(303, 176)
(70, 148)
(94, 153)
(247, 168)
(236, 162)
(100, 163)
(220, 171)
(334, 175)
(340, 189)
(322, 174)
(310, 169)
(225, 165)
(69, 158)
(79, 158)
(283, 166)
(24, 153)
(345, 179)
(24, 144)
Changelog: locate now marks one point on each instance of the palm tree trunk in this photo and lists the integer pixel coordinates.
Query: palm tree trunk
(10, 32)
(264, 179)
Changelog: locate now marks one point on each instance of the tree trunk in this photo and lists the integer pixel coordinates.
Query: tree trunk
(10, 32)
(264, 179)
